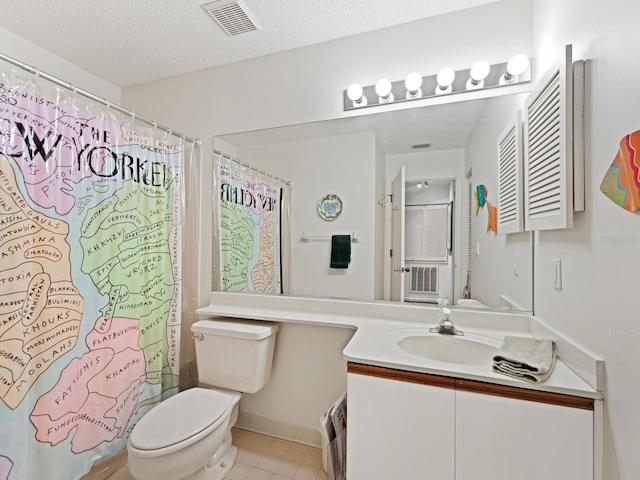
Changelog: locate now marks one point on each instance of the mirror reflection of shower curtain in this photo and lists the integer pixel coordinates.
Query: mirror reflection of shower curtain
(251, 229)
(91, 224)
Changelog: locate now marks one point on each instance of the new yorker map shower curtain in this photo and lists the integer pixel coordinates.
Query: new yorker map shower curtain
(90, 275)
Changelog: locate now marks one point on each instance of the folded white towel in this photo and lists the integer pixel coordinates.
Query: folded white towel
(525, 358)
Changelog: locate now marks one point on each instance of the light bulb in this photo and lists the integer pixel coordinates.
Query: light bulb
(477, 74)
(383, 89)
(445, 78)
(355, 93)
(413, 82)
(516, 66)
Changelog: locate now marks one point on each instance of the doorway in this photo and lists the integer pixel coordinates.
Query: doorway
(422, 240)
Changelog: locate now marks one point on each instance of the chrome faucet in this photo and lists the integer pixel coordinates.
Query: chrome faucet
(445, 326)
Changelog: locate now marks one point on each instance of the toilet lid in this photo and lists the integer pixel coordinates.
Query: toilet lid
(179, 417)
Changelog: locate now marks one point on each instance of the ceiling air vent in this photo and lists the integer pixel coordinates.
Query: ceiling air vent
(421, 145)
(233, 16)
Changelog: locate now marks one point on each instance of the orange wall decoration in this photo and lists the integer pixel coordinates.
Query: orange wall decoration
(480, 194)
(621, 183)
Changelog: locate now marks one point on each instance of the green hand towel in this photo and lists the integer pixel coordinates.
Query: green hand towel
(340, 251)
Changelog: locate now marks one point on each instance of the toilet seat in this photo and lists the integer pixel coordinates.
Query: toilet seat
(189, 415)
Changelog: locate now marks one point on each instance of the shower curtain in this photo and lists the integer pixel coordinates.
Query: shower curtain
(91, 220)
(252, 219)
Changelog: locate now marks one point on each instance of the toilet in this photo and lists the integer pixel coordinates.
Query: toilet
(188, 436)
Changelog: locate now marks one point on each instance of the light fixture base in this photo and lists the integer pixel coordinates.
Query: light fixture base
(414, 95)
(474, 84)
(430, 88)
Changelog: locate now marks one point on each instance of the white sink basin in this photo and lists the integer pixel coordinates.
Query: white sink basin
(461, 350)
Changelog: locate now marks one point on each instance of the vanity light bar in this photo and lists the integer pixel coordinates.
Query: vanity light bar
(498, 75)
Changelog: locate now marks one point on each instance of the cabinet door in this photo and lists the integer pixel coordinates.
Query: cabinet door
(501, 438)
(399, 430)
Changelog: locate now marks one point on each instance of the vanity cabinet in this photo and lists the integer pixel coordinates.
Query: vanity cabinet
(502, 438)
(399, 430)
(409, 425)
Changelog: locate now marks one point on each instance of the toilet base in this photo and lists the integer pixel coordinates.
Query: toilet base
(219, 470)
(220, 464)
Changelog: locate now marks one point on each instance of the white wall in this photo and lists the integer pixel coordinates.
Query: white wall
(306, 85)
(307, 377)
(309, 371)
(344, 165)
(26, 52)
(492, 272)
(600, 255)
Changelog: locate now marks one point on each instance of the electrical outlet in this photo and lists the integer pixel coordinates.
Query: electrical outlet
(477, 249)
(516, 264)
(556, 273)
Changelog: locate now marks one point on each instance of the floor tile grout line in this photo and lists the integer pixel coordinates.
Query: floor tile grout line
(307, 471)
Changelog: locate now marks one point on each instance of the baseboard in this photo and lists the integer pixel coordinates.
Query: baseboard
(276, 428)
(107, 468)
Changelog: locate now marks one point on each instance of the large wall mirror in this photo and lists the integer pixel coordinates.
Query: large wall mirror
(445, 157)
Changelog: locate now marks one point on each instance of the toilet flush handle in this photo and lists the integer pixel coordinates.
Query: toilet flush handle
(198, 336)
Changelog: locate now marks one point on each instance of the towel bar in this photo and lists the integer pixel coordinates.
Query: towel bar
(307, 237)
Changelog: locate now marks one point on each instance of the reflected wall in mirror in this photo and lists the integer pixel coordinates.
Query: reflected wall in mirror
(357, 158)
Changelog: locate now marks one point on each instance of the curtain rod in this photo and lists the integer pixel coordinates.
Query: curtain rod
(251, 167)
(95, 98)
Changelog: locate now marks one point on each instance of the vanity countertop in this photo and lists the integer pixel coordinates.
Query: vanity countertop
(378, 324)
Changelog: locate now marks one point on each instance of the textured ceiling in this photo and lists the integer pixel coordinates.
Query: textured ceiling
(127, 42)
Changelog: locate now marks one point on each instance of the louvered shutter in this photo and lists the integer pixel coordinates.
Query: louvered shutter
(413, 233)
(548, 168)
(426, 233)
(436, 223)
(510, 217)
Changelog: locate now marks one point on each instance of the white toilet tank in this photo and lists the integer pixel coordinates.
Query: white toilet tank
(234, 354)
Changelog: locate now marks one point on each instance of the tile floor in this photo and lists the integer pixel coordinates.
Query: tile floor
(261, 457)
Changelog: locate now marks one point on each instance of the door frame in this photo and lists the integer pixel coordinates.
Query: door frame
(458, 205)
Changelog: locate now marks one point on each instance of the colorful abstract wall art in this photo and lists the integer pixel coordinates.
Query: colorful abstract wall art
(480, 195)
(621, 183)
(492, 220)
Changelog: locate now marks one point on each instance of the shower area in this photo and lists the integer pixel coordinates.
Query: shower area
(429, 259)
